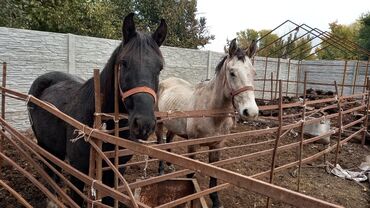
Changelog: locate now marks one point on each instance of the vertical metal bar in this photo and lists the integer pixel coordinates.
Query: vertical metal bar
(272, 84)
(367, 112)
(97, 124)
(264, 80)
(3, 84)
(300, 149)
(277, 76)
(287, 84)
(365, 78)
(116, 129)
(298, 77)
(355, 78)
(278, 135)
(91, 171)
(344, 77)
(339, 100)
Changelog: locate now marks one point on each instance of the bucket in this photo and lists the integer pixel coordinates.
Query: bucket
(317, 129)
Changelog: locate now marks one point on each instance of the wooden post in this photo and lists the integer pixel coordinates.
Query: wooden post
(344, 77)
(340, 121)
(277, 140)
(366, 113)
(300, 149)
(116, 128)
(287, 84)
(264, 80)
(365, 78)
(97, 124)
(277, 77)
(298, 77)
(3, 84)
(355, 78)
(272, 84)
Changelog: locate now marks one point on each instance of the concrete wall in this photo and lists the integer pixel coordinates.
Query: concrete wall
(32, 53)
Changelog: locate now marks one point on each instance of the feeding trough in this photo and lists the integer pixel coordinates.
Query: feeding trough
(166, 191)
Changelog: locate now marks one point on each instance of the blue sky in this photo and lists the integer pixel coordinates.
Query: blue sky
(225, 18)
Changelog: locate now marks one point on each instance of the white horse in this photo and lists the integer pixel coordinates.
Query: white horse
(231, 88)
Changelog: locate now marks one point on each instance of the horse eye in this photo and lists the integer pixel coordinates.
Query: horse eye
(232, 74)
(124, 64)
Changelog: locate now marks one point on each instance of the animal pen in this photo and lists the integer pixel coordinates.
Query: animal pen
(286, 104)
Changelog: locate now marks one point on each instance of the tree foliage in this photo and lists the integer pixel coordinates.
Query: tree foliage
(330, 50)
(272, 46)
(245, 37)
(103, 18)
(364, 33)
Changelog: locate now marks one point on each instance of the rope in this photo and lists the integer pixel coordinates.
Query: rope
(146, 165)
(79, 133)
(93, 190)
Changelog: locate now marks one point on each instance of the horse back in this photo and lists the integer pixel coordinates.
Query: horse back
(175, 94)
(58, 89)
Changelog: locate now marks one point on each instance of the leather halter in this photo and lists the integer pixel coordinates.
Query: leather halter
(236, 92)
(135, 90)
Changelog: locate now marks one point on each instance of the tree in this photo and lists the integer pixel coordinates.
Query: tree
(270, 44)
(329, 48)
(302, 49)
(364, 33)
(185, 30)
(103, 18)
(245, 37)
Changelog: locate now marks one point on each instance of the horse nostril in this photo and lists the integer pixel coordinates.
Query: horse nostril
(245, 112)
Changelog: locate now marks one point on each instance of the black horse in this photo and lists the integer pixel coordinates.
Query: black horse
(140, 62)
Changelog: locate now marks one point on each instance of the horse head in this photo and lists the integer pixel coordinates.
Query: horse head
(239, 78)
(140, 62)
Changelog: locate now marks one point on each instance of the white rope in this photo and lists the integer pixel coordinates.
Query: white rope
(93, 190)
(146, 164)
(79, 133)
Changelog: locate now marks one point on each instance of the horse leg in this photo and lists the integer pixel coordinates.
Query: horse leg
(214, 157)
(160, 140)
(191, 149)
(169, 137)
(108, 178)
(78, 154)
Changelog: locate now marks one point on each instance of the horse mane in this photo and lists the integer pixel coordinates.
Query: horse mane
(239, 53)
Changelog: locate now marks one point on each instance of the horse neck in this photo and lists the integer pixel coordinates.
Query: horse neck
(217, 91)
(107, 83)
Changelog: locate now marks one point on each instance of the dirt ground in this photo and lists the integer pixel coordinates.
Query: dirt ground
(315, 181)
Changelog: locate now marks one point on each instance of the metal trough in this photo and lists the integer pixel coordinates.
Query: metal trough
(170, 190)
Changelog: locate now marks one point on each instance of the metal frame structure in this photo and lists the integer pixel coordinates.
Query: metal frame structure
(122, 190)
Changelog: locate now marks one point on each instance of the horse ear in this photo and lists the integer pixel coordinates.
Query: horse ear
(160, 34)
(251, 50)
(128, 27)
(232, 47)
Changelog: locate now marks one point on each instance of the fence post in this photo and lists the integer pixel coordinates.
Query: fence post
(3, 84)
(277, 140)
(344, 77)
(367, 111)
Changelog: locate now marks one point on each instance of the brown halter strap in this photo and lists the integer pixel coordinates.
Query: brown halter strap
(135, 90)
(233, 92)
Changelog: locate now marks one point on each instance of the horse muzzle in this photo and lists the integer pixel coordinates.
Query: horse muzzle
(141, 127)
